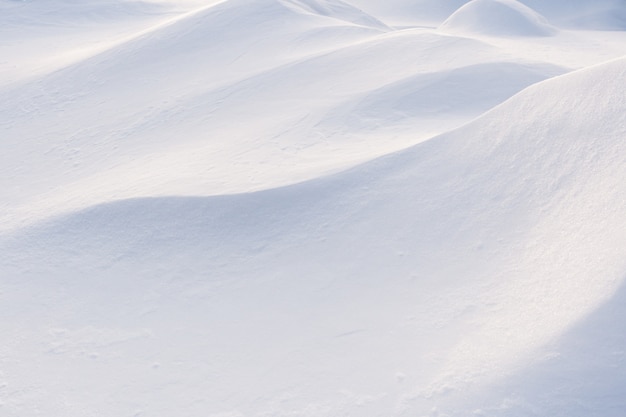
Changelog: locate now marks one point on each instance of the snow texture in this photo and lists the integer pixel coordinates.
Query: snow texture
(313, 208)
(497, 17)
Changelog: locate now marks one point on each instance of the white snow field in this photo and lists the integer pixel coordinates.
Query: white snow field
(312, 208)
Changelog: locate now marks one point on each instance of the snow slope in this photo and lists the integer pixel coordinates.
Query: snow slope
(401, 13)
(42, 36)
(121, 125)
(440, 263)
(597, 15)
(292, 208)
(497, 17)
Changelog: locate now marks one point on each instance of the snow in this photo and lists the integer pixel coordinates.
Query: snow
(307, 208)
(579, 14)
(497, 17)
(401, 13)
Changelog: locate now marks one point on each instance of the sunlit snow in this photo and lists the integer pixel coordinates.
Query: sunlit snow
(312, 208)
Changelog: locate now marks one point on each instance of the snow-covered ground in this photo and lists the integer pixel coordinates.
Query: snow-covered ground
(312, 208)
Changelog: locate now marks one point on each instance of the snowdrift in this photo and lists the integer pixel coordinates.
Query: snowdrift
(583, 14)
(497, 18)
(459, 94)
(456, 249)
(121, 93)
(339, 10)
(406, 285)
(125, 133)
(410, 12)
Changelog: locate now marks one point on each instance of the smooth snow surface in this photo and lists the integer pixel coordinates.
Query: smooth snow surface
(497, 17)
(312, 208)
(411, 12)
(597, 14)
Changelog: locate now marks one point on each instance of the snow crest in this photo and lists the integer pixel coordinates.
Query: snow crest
(312, 208)
(497, 18)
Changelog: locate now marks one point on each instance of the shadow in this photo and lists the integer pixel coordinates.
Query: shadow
(581, 374)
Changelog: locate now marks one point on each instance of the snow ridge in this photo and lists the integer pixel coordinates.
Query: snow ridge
(312, 208)
(499, 18)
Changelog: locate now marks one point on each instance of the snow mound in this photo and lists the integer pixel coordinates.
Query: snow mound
(339, 10)
(479, 235)
(200, 55)
(410, 12)
(213, 85)
(152, 262)
(497, 18)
